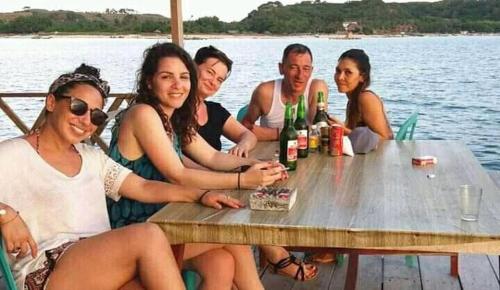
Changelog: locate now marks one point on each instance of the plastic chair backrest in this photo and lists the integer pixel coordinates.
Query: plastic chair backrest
(406, 130)
(241, 113)
(189, 278)
(4, 265)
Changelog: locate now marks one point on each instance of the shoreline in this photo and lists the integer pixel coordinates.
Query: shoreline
(230, 36)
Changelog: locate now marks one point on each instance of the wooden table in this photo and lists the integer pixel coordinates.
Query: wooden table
(377, 201)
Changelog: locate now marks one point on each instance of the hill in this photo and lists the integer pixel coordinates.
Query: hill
(366, 16)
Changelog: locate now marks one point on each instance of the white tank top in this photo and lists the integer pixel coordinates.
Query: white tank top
(276, 116)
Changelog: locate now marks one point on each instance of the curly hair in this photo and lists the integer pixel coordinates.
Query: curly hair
(183, 121)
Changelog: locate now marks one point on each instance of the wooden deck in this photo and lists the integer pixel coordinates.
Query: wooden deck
(391, 272)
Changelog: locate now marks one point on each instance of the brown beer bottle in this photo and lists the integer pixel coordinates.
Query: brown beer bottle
(321, 117)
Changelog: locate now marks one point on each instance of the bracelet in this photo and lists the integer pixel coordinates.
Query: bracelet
(203, 194)
(239, 179)
(4, 223)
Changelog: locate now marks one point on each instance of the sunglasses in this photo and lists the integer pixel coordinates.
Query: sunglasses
(79, 108)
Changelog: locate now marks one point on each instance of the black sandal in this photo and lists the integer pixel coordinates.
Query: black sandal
(300, 274)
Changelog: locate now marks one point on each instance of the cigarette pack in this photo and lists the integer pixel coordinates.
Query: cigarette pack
(276, 199)
(424, 160)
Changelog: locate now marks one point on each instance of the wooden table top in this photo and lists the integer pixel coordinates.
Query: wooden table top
(377, 200)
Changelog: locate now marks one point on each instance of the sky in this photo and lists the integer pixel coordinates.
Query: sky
(226, 10)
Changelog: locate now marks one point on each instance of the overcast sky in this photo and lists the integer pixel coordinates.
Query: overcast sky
(226, 10)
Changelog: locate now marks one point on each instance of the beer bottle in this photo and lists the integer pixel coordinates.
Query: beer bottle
(314, 138)
(288, 141)
(301, 128)
(321, 117)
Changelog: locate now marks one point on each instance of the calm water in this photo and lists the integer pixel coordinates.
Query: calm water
(452, 81)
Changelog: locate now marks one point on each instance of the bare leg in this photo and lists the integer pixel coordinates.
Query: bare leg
(276, 253)
(133, 285)
(216, 267)
(245, 274)
(113, 259)
(245, 271)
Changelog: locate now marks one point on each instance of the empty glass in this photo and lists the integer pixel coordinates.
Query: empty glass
(470, 201)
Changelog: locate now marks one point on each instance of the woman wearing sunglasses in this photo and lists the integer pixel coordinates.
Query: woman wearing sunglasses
(150, 136)
(53, 215)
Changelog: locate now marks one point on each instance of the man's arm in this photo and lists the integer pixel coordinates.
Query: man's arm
(255, 110)
(317, 85)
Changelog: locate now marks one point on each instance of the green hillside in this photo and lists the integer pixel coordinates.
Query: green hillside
(369, 16)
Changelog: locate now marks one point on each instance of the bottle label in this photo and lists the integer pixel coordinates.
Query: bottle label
(302, 139)
(291, 151)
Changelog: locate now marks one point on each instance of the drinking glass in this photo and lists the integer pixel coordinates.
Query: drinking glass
(470, 201)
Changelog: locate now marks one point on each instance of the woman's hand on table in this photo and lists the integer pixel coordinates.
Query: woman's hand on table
(263, 174)
(218, 199)
(17, 237)
(239, 150)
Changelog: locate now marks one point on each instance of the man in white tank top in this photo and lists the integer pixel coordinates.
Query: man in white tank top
(269, 98)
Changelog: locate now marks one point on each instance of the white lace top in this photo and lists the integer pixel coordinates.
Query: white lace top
(57, 208)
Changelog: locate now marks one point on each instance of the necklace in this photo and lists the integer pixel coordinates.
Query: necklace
(37, 145)
(37, 135)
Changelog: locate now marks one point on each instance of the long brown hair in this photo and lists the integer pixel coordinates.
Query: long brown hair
(183, 121)
(353, 116)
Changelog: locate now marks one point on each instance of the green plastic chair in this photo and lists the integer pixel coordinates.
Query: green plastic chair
(241, 113)
(6, 273)
(189, 278)
(406, 130)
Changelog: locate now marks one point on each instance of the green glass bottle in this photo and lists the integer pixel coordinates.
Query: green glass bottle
(288, 141)
(321, 117)
(301, 128)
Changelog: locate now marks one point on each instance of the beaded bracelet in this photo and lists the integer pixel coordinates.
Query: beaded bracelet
(4, 223)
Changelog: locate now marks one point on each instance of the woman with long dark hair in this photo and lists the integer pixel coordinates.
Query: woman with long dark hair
(149, 139)
(364, 107)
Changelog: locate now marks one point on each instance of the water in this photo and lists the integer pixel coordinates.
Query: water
(452, 81)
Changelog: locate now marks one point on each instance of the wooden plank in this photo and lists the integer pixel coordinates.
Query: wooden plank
(377, 200)
(495, 175)
(477, 273)
(43, 95)
(495, 260)
(10, 113)
(435, 272)
(495, 264)
(339, 276)
(271, 280)
(370, 272)
(399, 276)
(176, 22)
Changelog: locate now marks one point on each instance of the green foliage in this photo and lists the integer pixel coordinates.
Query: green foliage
(309, 16)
